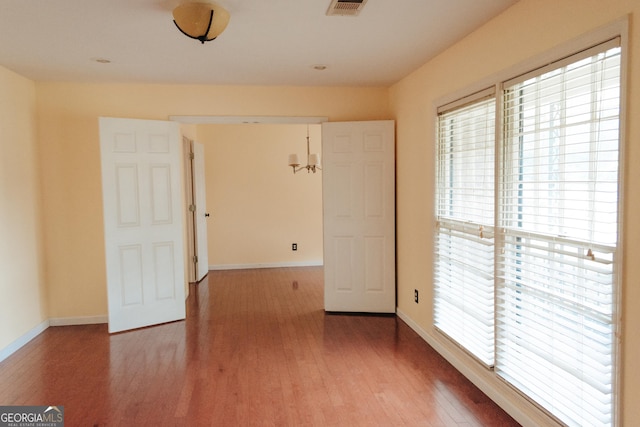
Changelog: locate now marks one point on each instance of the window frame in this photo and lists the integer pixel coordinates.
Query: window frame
(474, 234)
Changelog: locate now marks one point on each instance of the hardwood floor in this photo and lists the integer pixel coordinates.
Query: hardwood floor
(256, 349)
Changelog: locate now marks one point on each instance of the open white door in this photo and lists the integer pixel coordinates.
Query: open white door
(143, 221)
(187, 154)
(201, 215)
(358, 188)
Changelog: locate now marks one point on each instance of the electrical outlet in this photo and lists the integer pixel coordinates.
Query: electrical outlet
(415, 295)
(294, 246)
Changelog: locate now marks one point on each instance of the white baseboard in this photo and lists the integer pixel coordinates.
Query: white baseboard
(510, 401)
(266, 265)
(84, 320)
(23, 340)
(59, 321)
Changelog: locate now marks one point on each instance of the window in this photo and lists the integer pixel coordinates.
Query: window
(531, 290)
(464, 253)
(558, 228)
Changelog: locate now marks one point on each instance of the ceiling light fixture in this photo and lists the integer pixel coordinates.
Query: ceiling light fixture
(313, 160)
(201, 21)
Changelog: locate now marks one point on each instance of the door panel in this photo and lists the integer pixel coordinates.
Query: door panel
(141, 179)
(359, 216)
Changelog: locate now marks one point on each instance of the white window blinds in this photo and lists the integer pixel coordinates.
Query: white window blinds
(464, 247)
(558, 234)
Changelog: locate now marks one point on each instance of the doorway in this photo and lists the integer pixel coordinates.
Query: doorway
(262, 214)
(261, 218)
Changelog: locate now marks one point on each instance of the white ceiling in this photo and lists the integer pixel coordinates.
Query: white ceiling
(267, 42)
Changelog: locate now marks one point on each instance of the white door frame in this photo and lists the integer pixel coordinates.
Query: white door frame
(196, 212)
(199, 208)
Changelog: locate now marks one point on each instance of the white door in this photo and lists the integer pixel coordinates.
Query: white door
(201, 214)
(358, 188)
(187, 151)
(143, 222)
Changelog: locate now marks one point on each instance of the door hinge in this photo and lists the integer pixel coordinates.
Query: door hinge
(195, 259)
(192, 156)
(192, 208)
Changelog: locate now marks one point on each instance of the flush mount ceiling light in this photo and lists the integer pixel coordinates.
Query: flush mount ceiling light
(200, 21)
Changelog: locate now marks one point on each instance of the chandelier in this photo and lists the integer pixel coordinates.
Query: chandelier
(313, 160)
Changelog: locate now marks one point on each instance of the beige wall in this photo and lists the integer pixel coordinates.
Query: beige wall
(22, 293)
(71, 192)
(69, 152)
(258, 207)
(525, 31)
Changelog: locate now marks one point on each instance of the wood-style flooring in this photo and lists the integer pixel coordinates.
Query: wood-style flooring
(256, 349)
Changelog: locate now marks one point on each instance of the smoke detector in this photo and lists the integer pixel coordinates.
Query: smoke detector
(345, 7)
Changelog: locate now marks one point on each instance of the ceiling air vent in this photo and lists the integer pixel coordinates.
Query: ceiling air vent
(345, 7)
